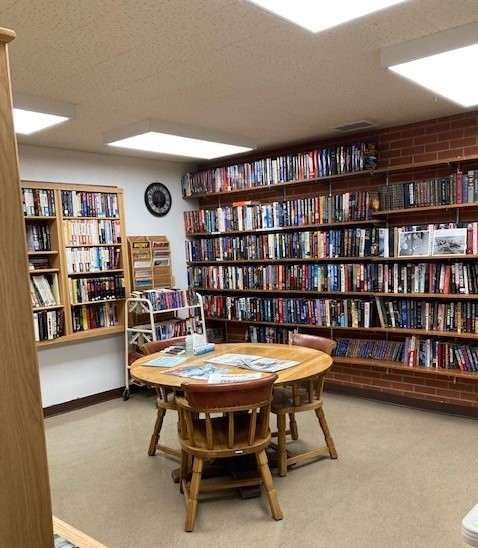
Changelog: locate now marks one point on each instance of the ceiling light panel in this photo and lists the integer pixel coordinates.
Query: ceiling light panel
(32, 114)
(316, 15)
(177, 139)
(438, 73)
(443, 62)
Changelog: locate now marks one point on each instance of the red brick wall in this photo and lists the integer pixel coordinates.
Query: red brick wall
(451, 138)
(443, 390)
(438, 139)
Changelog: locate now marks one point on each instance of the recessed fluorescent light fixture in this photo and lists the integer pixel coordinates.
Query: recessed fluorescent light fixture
(176, 139)
(444, 63)
(32, 114)
(317, 15)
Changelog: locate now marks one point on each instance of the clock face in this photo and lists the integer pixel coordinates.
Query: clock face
(157, 199)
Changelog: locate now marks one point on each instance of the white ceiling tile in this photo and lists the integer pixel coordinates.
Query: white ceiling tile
(222, 64)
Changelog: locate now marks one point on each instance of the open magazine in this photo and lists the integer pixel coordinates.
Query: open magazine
(256, 363)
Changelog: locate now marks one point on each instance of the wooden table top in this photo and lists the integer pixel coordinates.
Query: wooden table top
(311, 362)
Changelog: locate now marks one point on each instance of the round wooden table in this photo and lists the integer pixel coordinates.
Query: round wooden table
(311, 362)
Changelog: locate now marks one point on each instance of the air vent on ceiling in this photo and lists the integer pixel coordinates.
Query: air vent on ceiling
(356, 126)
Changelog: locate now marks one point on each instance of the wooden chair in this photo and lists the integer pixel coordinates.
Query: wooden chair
(296, 398)
(164, 400)
(240, 426)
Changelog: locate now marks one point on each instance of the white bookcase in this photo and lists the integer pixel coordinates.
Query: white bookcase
(159, 314)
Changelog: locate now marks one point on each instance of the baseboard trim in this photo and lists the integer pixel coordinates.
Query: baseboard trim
(437, 407)
(79, 403)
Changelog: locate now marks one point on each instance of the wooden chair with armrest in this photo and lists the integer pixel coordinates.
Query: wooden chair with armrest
(224, 420)
(165, 398)
(298, 397)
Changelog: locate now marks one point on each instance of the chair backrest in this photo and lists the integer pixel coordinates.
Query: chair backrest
(244, 408)
(157, 346)
(314, 341)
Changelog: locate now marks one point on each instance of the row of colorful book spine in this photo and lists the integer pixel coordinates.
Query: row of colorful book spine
(451, 316)
(437, 354)
(269, 334)
(38, 237)
(251, 215)
(83, 290)
(48, 324)
(92, 259)
(311, 164)
(459, 188)
(177, 327)
(38, 202)
(77, 203)
(92, 231)
(94, 316)
(369, 349)
(455, 278)
(320, 312)
(345, 242)
(164, 298)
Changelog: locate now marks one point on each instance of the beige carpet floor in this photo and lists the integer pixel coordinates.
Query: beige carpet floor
(404, 479)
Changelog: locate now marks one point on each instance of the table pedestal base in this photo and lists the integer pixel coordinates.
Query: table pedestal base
(240, 469)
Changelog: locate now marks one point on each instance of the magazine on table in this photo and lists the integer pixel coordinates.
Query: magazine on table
(200, 372)
(233, 377)
(256, 363)
(165, 361)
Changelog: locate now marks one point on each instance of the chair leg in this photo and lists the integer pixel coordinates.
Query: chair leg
(294, 432)
(281, 448)
(157, 430)
(325, 429)
(183, 470)
(266, 476)
(192, 503)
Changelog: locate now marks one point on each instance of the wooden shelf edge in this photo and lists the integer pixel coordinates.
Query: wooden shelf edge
(81, 336)
(425, 209)
(374, 329)
(386, 364)
(73, 535)
(287, 228)
(334, 294)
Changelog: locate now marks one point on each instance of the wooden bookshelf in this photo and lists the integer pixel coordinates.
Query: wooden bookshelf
(304, 257)
(78, 260)
(25, 518)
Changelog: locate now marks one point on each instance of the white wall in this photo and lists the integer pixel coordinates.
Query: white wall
(85, 368)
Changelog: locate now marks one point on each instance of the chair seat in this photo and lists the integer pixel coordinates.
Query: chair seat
(286, 400)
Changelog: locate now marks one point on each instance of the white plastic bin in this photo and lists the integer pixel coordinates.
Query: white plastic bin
(469, 527)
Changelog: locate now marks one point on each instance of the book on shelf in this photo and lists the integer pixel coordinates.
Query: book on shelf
(46, 294)
(240, 203)
(38, 263)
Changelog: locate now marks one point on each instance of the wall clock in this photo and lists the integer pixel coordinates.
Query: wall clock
(157, 199)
